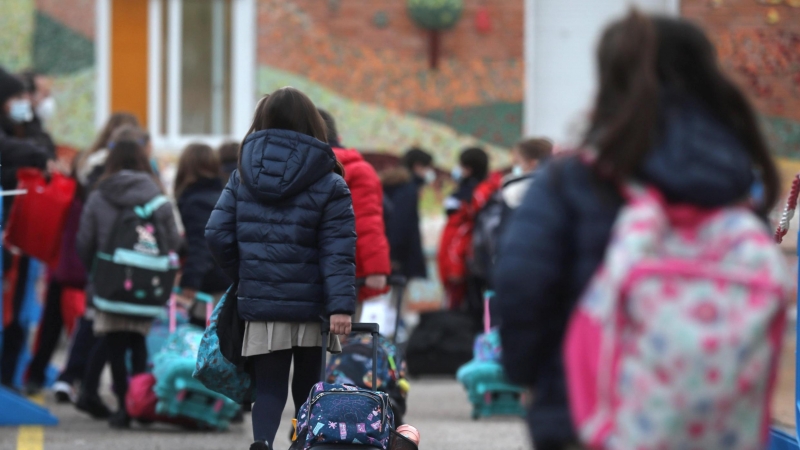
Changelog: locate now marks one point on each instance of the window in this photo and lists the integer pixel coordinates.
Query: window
(200, 79)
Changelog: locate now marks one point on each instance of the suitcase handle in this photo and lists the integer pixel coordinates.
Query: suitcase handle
(371, 328)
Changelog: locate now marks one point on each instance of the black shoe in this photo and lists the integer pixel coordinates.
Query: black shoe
(120, 420)
(94, 406)
(259, 445)
(32, 388)
(238, 417)
(64, 392)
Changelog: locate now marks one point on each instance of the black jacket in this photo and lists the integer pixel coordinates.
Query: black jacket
(200, 271)
(401, 192)
(284, 227)
(557, 238)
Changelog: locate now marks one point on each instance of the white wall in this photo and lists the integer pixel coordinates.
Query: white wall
(560, 40)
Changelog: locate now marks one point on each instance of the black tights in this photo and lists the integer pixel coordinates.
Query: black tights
(117, 345)
(272, 386)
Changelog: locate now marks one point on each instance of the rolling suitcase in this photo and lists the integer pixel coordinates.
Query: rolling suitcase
(346, 417)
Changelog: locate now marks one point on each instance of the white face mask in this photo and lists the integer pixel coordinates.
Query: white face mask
(430, 176)
(46, 109)
(456, 173)
(20, 111)
(517, 170)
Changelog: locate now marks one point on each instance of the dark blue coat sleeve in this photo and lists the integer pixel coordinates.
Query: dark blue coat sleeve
(336, 238)
(529, 277)
(195, 213)
(221, 230)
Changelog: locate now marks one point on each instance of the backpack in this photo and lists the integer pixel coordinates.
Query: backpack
(674, 343)
(354, 364)
(485, 236)
(135, 270)
(344, 414)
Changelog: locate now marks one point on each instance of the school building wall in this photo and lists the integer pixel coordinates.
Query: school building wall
(367, 62)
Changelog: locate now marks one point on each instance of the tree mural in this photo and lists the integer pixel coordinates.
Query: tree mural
(435, 16)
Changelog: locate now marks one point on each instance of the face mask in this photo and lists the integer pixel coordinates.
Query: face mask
(46, 109)
(456, 173)
(20, 111)
(517, 170)
(430, 176)
(154, 166)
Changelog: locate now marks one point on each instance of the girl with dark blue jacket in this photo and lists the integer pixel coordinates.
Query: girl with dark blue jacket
(665, 115)
(284, 230)
(198, 187)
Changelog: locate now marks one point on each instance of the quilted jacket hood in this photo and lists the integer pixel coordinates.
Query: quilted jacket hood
(279, 164)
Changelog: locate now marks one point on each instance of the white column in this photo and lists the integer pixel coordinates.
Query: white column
(243, 57)
(174, 60)
(154, 69)
(218, 68)
(102, 50)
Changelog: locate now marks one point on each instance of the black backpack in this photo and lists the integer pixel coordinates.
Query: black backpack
(135, 270)
(485, 235)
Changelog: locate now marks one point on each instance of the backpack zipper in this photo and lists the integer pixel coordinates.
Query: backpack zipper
(372, 395)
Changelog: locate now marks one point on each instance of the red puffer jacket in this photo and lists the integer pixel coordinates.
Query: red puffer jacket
(456, 241)
(372, 247)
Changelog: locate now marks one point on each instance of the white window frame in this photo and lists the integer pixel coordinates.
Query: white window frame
(242, 72)
(529, 122)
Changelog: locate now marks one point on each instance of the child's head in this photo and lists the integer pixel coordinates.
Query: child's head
(289, 109)
(228, 159)
(332, 132)
(117, 120)
(420, 163)
(127, 154)
(644, 60)
(131, 133)
(197, 161)
(528, 153)
(474, 162)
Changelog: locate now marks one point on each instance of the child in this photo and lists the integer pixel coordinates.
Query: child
(665, 114)
(127, 182)
(284, 229)
(372, 247)
(197, 188)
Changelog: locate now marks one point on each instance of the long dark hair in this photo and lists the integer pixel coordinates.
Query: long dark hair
(289, 109)
(116, 120)
(639, 57)
(197, 161)
(127, 154)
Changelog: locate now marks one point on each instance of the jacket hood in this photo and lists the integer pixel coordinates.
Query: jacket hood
(698, 160)
(128, 188)
(347, 156)
(278, 164)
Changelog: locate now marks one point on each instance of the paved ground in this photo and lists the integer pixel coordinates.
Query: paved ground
(438, 408)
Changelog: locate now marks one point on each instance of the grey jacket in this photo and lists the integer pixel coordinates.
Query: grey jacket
(125, 189)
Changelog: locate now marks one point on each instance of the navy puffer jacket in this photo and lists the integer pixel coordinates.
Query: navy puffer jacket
(284, 228)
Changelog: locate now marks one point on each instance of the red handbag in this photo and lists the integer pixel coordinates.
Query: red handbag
(73, 307)
(36, 223)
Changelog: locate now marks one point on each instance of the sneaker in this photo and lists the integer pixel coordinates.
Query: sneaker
(259, 445)
(120, 420)
(64, 392)
(94, 406)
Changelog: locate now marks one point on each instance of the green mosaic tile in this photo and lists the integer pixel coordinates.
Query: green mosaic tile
(17, 24)
(499, 123)
(58, 49)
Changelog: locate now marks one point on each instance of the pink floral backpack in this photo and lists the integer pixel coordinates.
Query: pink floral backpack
(675, 342)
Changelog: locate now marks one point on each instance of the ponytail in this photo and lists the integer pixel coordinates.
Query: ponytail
(625, 114)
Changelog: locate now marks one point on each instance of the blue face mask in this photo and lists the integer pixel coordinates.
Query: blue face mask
(517, 170)
(456, 173)
(154, 165)
(20, 111)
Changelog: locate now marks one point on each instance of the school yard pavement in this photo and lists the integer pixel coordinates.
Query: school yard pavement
(437, 407)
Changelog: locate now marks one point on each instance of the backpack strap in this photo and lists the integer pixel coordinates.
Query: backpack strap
(147, 210)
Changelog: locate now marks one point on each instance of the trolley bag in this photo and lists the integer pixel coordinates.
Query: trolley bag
(440, 344)
(484, 379)
(342, 417)
(180, 395)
